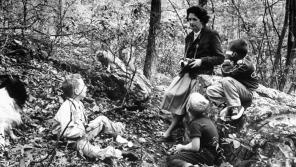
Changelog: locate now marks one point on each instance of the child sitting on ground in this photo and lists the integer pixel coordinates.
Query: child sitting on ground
(72, 124)
(203, 134)
(237, 84)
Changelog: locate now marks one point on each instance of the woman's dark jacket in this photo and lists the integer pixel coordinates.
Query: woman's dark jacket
(207, 47)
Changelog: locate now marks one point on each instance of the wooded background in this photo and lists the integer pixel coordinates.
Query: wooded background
(43, 41)
(149, 34)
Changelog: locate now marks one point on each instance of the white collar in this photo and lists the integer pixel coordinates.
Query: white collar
(196, 34)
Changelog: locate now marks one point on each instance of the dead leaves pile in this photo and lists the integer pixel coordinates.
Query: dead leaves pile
(36, 142)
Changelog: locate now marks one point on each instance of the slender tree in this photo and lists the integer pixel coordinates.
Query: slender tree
(291, 43)
(155, 15)
(278, 56)
(25, 2)
(60, 18)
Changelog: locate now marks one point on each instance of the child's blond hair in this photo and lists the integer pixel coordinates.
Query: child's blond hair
(197, 104)
(70, 83)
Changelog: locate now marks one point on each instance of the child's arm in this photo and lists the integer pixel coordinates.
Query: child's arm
(194, 145)
(242, 68)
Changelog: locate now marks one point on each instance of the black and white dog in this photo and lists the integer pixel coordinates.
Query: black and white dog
(13, 96)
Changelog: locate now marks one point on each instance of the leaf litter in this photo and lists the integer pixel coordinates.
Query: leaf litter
(36, 141)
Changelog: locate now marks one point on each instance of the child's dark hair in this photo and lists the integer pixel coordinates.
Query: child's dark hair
(240, 46)
(70, 84)
(15, 89)
(200, 13)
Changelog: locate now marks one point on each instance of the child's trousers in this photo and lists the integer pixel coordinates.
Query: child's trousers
(103, 124)
(95, 127)
(231, 91)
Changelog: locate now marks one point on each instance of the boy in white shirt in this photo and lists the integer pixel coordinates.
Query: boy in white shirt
(71, 121)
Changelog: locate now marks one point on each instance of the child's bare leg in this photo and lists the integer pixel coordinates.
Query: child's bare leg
(175, 120)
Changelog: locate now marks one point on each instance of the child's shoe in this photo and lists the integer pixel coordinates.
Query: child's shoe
(224, 114)
(237, 112)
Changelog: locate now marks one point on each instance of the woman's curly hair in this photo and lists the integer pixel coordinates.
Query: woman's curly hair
(200, 13)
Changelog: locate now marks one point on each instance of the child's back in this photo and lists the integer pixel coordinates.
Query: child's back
(71, 117)
(205, 129)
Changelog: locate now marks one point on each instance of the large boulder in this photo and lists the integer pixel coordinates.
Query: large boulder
(126, 79)
(265, 136)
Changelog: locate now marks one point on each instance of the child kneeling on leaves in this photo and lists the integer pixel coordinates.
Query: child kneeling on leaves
(202, 149)
(71, 121)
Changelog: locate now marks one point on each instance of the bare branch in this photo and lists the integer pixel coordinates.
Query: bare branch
(14, 28)
(188, 2)
(244, 23)
(213, 10)
(4, 44)
(179, 17)
(280, 43)
(272, 20)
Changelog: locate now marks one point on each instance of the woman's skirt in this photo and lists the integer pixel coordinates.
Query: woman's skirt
(176, 95)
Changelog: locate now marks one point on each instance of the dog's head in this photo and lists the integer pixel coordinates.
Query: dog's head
(16, 89)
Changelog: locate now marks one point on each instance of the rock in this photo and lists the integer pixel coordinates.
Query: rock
(135, 83)
(270, 124)
(266, 132)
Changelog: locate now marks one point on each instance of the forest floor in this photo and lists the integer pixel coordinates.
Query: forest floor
(36, 144)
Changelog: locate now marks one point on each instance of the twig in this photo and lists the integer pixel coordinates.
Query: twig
(14, 28)
(244, 23)
(131, 81)
(272, 20)
(118, 108)
(213, 10)
(188, 2)
(66, 34)
(4, 44)
(179, 17)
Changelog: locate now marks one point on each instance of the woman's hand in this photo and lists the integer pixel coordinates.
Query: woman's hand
(195, 63)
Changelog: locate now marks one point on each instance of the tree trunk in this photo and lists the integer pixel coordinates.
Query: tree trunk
(154, 26)
(291, 43)
(24, 16)
(278, 55)
(60, 18)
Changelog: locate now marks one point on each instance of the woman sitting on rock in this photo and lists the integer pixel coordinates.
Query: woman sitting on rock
(202, 52)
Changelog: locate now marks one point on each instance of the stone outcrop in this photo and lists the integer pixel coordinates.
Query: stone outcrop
(125, 76)
(266, 134)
